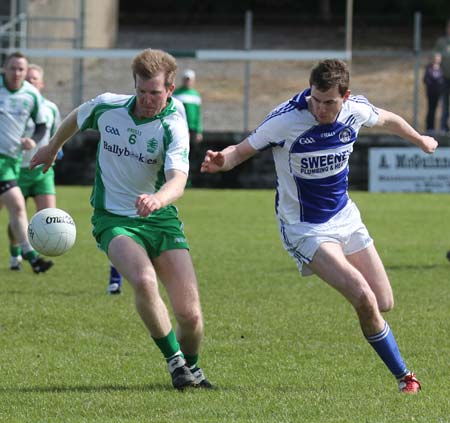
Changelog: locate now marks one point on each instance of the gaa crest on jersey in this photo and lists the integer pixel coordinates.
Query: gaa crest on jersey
(345, 135)
(152, 145)
(112, 130)
(305, 140)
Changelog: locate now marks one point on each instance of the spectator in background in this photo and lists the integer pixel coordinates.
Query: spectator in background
(192, 102)
(434, 85)
(443, 47)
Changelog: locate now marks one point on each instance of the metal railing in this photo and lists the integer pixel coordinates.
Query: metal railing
(81, 81)
(13, 32)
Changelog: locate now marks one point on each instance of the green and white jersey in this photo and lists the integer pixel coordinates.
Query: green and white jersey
(133, 154)
(192, 102)
(16, 107)
(52, 121)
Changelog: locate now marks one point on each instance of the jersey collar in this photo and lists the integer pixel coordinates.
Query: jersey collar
(299, 100)
(168, 110)
(6, 86)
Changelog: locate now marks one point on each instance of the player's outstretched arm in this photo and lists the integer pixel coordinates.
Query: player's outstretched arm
(47, 155)
(228, 158)
(398, 126)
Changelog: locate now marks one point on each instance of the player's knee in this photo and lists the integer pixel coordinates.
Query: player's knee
(143, 283)
(17, 210)
(366, 303)
(191, 318)
(386, 304)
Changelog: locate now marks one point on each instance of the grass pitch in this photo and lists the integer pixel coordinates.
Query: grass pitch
(280, 348)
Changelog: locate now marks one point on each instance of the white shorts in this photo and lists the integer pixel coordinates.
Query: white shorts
(301, 240)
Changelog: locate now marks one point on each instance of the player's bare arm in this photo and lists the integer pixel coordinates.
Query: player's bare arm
(398, 126)
(47, 155)
(228, 158)
(169, 192)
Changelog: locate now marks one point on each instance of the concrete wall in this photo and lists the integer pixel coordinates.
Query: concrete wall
(66, 78)
(100, 25)
(78, 165)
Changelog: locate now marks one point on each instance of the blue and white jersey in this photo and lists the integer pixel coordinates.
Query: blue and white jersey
(311, 160)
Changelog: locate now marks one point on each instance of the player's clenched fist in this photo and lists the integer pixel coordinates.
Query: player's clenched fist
(147, 204)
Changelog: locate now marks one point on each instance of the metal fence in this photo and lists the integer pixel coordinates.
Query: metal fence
(241, 83)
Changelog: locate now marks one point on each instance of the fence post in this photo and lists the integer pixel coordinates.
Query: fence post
(417, 65)
(349, 32)
(78, 65)
(247, 76)
(12, 30)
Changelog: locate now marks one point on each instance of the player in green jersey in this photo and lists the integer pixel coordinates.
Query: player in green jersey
(192, 102)
(34, 183)
(19, 101)
(142, 168)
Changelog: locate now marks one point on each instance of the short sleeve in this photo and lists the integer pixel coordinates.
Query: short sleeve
(271, 131)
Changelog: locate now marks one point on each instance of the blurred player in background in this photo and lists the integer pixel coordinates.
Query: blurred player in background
(33, 183)
(433, 79)
(312, 137)
(19, 102)
(115, 281)
(192, 102)
(142, 168)
(443, 47)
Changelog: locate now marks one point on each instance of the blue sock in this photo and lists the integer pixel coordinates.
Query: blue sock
(114, 275)
(386, 347)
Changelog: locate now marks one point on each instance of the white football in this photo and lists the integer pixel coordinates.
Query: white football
(52, 232)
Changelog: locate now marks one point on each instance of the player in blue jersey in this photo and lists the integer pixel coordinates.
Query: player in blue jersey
(142, 168)
(312, 137)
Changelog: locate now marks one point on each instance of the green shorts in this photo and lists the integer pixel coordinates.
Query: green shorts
(34, 182)
(9, 168)
(159, 232)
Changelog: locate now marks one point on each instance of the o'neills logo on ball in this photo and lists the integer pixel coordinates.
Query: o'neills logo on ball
(59, 219)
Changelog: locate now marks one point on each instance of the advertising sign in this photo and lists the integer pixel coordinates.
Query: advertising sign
(405, 169)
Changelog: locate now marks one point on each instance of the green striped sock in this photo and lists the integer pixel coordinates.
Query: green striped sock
(168, 345)
(191, 361)
(15, 250)
(31, 255)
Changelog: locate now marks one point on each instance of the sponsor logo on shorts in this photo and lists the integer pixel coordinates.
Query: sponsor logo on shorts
(179, 240)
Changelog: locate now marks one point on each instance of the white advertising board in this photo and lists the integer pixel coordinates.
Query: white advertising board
(404, 169)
